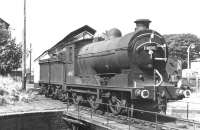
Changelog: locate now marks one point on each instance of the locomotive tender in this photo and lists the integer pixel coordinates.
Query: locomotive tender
(127, 70)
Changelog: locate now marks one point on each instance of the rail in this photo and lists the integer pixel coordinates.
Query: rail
(156, 122)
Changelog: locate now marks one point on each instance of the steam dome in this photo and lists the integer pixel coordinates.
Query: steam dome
(114, 32)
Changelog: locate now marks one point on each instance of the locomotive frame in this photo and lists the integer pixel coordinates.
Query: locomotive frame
(71, 77)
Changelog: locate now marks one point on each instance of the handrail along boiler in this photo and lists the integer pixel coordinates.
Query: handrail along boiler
(127, 70)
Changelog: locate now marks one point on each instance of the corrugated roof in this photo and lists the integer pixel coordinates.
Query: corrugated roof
(40, 55)
(71, 36)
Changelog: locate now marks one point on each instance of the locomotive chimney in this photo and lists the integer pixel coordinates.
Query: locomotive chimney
(142, 24)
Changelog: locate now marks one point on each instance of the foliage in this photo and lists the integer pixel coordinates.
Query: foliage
(10, 53)
(178, 44)
(4, 36)
(10, 92)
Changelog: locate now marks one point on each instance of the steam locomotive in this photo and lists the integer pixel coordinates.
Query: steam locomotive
(128, 71)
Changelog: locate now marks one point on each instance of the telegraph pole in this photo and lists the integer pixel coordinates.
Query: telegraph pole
(30, 60)
(24, 52)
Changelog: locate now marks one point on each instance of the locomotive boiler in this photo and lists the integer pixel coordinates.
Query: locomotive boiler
(142, 51)
(127, 70)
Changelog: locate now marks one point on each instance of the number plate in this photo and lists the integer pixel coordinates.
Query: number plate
(150, 47)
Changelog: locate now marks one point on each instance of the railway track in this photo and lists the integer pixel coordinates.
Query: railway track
(141, 121)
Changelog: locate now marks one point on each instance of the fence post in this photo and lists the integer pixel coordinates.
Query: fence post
(78, 110)
(194, 125)
(197, 84)
(91, 112)
(187, 109)
(129, 122)
(107, 114)
(67, 105)
(156, 121)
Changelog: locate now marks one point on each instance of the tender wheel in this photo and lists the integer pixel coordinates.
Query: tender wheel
(48, 91)
(115, 105)
(42, 90)
(94, 102)
(60, 94)
(76, 98)
(57, 93)
(65, 96)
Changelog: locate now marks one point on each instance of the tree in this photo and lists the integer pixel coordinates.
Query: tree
(178, 44)
(10, 53)
(4, 36)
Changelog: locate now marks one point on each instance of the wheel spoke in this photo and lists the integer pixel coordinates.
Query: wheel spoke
(76, 98)
(65, 97)
(115, 105)
(94, 102)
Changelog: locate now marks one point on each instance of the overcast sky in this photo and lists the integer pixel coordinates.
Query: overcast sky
(49, 21)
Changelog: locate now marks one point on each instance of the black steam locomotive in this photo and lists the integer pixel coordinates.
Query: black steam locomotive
(119, 70)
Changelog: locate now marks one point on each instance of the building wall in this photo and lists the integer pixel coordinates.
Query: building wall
(196, 66)
(36, 72)
(3, 24)
(16, 75)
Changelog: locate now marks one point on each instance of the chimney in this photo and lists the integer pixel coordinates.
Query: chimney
(142, 24)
